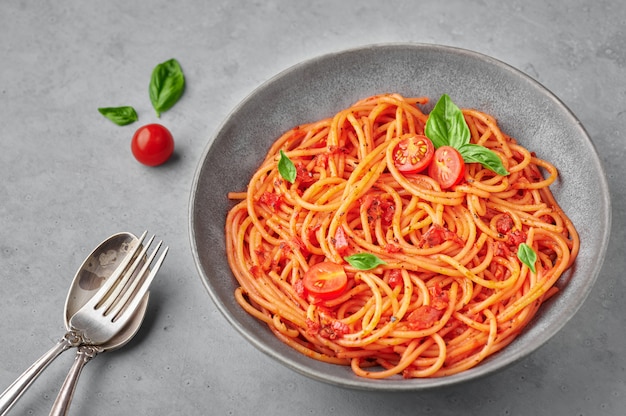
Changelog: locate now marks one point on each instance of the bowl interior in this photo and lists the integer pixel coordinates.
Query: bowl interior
(322, 86)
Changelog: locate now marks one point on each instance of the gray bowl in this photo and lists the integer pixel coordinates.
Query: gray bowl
(320, 87)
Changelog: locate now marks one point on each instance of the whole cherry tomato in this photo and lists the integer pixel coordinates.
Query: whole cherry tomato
(152, 144)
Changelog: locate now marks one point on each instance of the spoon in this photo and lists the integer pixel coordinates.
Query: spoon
(85, 353)
(96, 268)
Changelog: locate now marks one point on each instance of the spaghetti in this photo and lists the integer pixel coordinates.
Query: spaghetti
(452, 290)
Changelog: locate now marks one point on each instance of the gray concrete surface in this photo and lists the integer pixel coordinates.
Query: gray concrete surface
(68, 180)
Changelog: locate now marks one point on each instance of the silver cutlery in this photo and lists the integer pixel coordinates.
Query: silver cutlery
(111, 333)
(121, 298)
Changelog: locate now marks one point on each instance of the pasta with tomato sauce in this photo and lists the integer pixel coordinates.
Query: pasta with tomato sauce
(354, 259)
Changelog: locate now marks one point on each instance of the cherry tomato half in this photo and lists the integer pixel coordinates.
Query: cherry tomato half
(413, 153)
(152, 144)
(325, 280)
(447, 167)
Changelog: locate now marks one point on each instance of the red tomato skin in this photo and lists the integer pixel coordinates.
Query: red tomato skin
(447, 167)
(413, 154)
(325, 280)
(152, 144)
(423, 317)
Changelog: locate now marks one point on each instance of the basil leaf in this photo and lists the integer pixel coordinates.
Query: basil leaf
(364, 261)
(527, 256)
(119, 115)
(474, 153)
(446, 125)
(286, 168)
(166, 85)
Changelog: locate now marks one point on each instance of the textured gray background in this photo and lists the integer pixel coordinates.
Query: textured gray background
(68, 179)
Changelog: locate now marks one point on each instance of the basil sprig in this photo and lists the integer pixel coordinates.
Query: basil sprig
(446, 126)
(364, 261)
(527, 255)
(119, 115)
(286, 168)
(166, 85)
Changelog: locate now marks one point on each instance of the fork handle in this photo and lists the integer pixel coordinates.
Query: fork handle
(23, 382)
(84, 354)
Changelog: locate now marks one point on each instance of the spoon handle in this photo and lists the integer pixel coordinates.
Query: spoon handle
(23, 382)
(84, 354)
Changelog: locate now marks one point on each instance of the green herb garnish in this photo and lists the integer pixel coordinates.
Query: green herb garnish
(119, 115)
(446, 126)
(166, 85)
(527, 256)
(286, 168)
(364, 261)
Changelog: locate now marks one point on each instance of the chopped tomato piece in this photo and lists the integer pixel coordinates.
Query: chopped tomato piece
(329, 329)
(271, 200)
(378, 207)
(312, 327)
(413, 153)
(303, 176)
(516, 238)
(447, 167)
(387, 208)
(341, 241)
(438, 234)
(256, 271)
(325, 280)
(395, 278)
(424, 317)
(504, 224)
(439, 298)
(334, 330)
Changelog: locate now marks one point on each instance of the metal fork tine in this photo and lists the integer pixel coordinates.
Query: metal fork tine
(128, 274)
(126, 307)
(119, 301)
(103, 292)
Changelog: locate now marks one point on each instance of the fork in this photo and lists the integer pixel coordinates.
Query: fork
(96, 322)
(114, 305)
